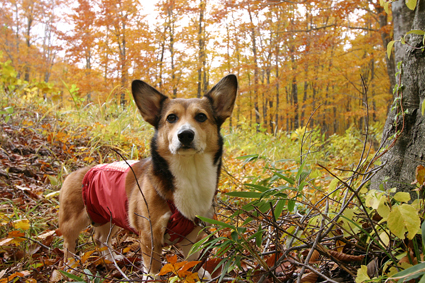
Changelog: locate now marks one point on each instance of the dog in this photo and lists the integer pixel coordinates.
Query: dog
(169, 189)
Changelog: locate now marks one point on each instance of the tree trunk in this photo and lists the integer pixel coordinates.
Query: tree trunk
(408, 152)
(256, 75)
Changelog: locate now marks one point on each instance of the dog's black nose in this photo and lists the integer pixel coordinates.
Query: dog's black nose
(186, 137)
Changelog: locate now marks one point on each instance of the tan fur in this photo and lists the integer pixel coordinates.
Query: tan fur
(192, 167)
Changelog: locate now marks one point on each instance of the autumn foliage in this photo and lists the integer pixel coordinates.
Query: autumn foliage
(301, 148)
(292, 60)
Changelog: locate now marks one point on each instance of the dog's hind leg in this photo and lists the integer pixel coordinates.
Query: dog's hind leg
(102, 236)
(70, 229)
(72, 215)
(187, 244)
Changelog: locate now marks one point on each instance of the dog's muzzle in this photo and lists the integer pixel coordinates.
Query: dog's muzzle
(186, 137)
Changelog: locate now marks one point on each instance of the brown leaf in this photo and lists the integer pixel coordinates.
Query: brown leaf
(420, 175)
(346, 257)
(314, 257)
(373, 268)
(309, 277)
(211, 264)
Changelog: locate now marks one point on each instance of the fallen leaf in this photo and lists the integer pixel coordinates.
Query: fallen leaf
(23, 224)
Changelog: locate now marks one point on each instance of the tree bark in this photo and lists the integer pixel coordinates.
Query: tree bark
(408, 151)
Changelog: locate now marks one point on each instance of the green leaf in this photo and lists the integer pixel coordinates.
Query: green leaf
(300, 171)
(72, 276)
(9, 109)
(411, 4)
(245, 194)
(416, 31)
(258, 187)
(279, 208)
(291, 204)
(287, 179)
(390, 48)
(423, 233)
(411, 272)
(216, 222)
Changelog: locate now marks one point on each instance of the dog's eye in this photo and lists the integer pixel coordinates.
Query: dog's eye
(201, 117)
(171, 118)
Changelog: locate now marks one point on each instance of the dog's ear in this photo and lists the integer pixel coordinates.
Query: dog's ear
(223, 96)
(148, 100)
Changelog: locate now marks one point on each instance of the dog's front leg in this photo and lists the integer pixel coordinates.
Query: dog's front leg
(187, 244)
(151, 244)
(102, 236)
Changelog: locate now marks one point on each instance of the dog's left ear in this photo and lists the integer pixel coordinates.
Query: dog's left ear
(223, 96)
(148, 100)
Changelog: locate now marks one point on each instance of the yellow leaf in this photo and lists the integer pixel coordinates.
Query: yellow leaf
(192, 278)
(362, 274)
(402, 197)
(404, 218)
(384, 238)
(411, 4)
(23, 224)
(383, 209)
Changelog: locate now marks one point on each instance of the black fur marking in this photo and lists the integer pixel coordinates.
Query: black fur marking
(217, 120)
(159, 114)
(218, 155)
(160, 167)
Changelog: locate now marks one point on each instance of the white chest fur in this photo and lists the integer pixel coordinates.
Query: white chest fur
(195, 184)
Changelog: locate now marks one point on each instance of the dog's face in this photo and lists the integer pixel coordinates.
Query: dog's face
(187, 126)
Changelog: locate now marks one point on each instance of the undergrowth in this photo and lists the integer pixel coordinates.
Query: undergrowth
(291, 206)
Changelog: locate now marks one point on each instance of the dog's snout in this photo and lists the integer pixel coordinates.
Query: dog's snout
(186, 136)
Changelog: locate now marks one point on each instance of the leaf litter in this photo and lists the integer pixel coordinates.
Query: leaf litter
(301, 243)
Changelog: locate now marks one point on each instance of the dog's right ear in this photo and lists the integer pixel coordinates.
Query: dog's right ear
(148, 100)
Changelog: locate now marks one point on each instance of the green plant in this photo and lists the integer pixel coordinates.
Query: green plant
(7, 113)
(90, 278)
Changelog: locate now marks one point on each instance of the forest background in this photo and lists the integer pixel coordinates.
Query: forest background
(315, 86)
(290, 58)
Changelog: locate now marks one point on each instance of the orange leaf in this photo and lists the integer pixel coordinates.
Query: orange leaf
(172, 259)
(166, 269)
(86, 256)
(179, 265)
(190, 264)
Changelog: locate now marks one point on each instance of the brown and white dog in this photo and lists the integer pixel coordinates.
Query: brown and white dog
(177, 183)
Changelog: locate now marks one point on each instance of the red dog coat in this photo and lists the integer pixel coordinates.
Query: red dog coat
(106, 200)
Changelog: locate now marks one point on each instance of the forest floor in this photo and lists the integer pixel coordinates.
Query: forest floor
(248, 242)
